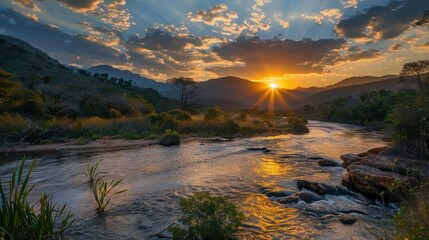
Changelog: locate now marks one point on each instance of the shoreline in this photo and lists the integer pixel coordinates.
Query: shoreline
(112, 144)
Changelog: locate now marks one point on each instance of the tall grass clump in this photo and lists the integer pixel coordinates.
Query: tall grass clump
(102, 192)
(208, 217)
(92, 172)
(20, 220)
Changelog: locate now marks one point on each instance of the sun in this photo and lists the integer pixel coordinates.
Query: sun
(273, 86)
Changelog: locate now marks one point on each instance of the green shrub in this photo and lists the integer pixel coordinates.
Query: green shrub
(208, 217)
(412, 220)
(214, 114)
(113, 113)
(179, 115)
(20, 220)
(297, 124)
(11, 127)
(228, 128)
(242, 117)
(170, 138)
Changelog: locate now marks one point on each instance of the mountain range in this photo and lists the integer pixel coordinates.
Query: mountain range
(228, 92)
(237, 93)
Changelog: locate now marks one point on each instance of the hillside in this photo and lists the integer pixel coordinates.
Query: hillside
(65, 91)
(127, 75)
(352, 91)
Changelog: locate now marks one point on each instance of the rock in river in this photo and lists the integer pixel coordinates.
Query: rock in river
(307, 197)
(347, 219)
(348, 159)
(327, 163)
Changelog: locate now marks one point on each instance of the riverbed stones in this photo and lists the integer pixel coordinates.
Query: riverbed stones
(376, 150)
(349, 159)
(347, 219)
(307, 197)
(376, 175)
(262, 149)
(327, 163)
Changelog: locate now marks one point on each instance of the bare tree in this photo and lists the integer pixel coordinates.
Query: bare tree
(187, 89)
(414, 72)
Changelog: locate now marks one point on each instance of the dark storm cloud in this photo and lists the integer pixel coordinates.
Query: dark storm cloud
(382, 22)
(52, 40)
(278, 57)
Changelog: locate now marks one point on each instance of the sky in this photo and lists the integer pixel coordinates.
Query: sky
(293, 43)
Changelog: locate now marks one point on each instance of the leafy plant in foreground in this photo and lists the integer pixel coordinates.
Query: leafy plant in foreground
(102, 195)
(19, 219)
(208, 217)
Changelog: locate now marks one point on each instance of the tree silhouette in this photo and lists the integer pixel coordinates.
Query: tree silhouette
(414, 72)
(187, 89)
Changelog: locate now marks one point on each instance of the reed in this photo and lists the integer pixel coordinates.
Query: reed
(92, 172)
(102, 192)
(20, 220)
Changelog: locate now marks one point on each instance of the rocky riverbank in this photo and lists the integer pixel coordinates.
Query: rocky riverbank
(379, 174)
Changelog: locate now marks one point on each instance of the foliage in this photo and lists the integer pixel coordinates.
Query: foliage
(20, 220)
(208, 217)
(170, 138)
(179, 115)
(214, 114)
(186, 88)
(297, 124)
(412, 220)
(410, 119)
(92, 172)
(414, 72)
(242, 117)
(102, 192)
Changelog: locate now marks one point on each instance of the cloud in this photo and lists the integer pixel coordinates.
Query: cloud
(214, 15)
(284, 23)
(350, 3)
(275, 57)
(55, 42)
(115, 14)
(257, 22)
(27, 4)
(81, 5)
(395, 47)
(259, 3)
(331, 15)
(381, 22)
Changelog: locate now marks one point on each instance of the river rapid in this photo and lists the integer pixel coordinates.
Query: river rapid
(156, 178)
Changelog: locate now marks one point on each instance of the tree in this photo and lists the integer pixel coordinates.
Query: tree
(187, 89)
(414, 72)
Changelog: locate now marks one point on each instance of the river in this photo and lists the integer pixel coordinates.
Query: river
(156, 178)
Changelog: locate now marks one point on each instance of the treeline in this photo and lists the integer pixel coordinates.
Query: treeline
(403, 114)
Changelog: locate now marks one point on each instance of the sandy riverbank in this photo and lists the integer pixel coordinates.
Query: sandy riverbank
(105, 144)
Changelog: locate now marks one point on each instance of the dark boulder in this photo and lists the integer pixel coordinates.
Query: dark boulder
(347, 219)
(307, 197)
(327, 163)
(349, 159)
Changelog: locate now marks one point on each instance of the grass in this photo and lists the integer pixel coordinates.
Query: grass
(102, 192)
(92, 172)
(20, 220)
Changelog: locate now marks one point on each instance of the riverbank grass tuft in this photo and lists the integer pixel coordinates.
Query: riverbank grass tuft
(20, 220)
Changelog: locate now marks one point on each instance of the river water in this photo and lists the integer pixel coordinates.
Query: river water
(156, 178)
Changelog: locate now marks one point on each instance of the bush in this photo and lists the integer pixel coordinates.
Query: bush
(297, 124)
(170, 138)
(214, 114)
(412, 219)
(228, 128)
(11, 127)
(179, 115)
(20, 220)
(242, 117)
(113, 113)
(208, 217)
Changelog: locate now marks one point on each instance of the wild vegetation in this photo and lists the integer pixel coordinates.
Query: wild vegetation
(20, 219)
(208, 217)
